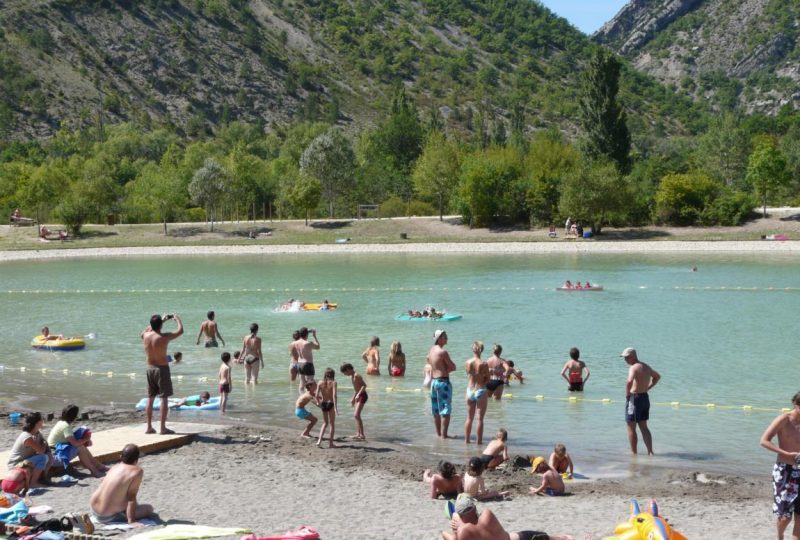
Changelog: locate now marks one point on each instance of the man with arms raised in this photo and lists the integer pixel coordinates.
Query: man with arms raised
(641, 378)
(441, 389)
(305, 355)
(211, 331)
(159, 381)
(115, 498)
(786, 472)
(467, 524)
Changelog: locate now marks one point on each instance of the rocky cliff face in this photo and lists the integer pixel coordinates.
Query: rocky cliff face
(736, 54)
(640, 20)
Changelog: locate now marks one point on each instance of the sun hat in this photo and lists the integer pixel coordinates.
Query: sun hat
(437, 335)
(464, 504)
(628, 352)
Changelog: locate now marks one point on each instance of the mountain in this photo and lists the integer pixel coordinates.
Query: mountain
(736, 54)
(193, 64)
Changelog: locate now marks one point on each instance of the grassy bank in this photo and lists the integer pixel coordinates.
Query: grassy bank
(374, 231)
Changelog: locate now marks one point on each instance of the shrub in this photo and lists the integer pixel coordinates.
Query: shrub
(730, 208)
(397, 207)
(682, 198)
(195, 214)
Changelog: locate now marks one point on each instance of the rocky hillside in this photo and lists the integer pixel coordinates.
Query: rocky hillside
(193, 64)
(736, 54)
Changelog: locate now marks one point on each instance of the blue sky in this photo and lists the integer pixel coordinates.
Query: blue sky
(586, 15)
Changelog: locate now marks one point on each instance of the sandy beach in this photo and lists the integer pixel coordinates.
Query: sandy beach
(270, 480)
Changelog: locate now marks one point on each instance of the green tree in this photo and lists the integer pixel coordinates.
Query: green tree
(305, 195)
(594, 194)
(681, 199)
(767, 169)
(157, 191)
(550, 160)
(330, 159)
(436, 171)
(208, 186)
(603, 118)
(490, 186)
(723, 149)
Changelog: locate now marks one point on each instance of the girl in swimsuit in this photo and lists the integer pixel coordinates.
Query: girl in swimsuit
(497, 372)
(397, 360)
(372, 356)
(326, 397)
(251, 352)
(477, 398)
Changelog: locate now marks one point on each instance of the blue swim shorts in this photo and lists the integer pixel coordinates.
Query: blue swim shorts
(637, 408)
(301, 413)
(441, 397)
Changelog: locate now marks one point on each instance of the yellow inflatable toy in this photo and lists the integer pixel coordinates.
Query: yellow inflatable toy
(645, 526)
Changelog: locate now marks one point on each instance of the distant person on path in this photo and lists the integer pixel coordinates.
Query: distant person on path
(251, 353)
(477, 398)
(397, 360)
(641, 378)
(441, 389)
(786, 471)
(211, 331)
(575, 371)
(305, 355)
(568, 225)
(224, 378)
(115, 498)
(372, 356)
(359, 398)
(159, 381)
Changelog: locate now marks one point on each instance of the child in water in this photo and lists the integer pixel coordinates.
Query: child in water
(193, 401)
(560, 460)
(224, 380)
(473, 482)
(300, 408)
(397, 360)
(447, 483)
(327, 399)
(359, 397)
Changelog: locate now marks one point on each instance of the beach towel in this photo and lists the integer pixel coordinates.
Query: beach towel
(119, 525)
(303, 532)
(15, 514)
(180, 532)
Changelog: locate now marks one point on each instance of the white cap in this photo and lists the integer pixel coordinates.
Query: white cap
(437, 335)
(630, 351)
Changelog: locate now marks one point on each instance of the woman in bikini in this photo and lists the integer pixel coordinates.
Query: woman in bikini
(477, 398)
(397, 360)
(372, 356)
(251, 352)
(497, 373)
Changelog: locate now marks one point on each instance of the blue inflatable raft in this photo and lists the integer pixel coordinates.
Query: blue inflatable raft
(447, 317)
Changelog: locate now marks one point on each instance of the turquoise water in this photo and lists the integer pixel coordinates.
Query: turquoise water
(721, 335)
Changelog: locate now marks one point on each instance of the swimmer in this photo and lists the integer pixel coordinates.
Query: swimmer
(300, 408)
(447, 483)
(251, 353)
(567, 285)
(372, 356)
(497, 373)
(211, 331)
(397, 360)
(575, 371)
(511, 370)
(560, 460)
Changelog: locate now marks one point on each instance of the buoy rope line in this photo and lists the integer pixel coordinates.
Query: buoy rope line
(371, 289)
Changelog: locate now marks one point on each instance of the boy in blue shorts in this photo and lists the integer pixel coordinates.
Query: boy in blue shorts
(300, 410)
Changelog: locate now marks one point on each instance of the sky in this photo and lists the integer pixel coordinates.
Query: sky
(586, 15)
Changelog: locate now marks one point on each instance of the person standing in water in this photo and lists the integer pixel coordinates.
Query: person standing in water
(211, 331)
(441, 388)
(573, 371)
(159, 381)
(305, 355)
(477, 398)
(372, 356)
(251, 353)
(641, 378)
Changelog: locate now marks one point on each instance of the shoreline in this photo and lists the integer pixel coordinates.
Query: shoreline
(532, 248)
(270, 480)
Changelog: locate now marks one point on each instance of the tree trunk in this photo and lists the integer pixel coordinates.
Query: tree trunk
(765, 206)
(441, 211)
(331, 208)
(307, 211)
(165, 227)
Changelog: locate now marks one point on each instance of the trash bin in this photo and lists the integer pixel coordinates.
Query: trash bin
(403, 236)
(111, 219)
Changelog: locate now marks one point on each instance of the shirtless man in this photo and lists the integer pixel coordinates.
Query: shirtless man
(641, 378)
(46, 334)
(115, 498)
(251, 355)
(786, 472)
(441, 389)
(211, 331)
(467, 524)
(573, 371)
(159, 382)
(305, 355)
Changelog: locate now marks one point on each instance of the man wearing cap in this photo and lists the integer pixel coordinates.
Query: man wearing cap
(641, 378)
(159, 381)
(441, 389)
(467, 524)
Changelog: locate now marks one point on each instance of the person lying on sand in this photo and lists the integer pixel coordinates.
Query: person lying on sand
(468, 524)
(447, 483)
(552, 483)
(115, 498)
